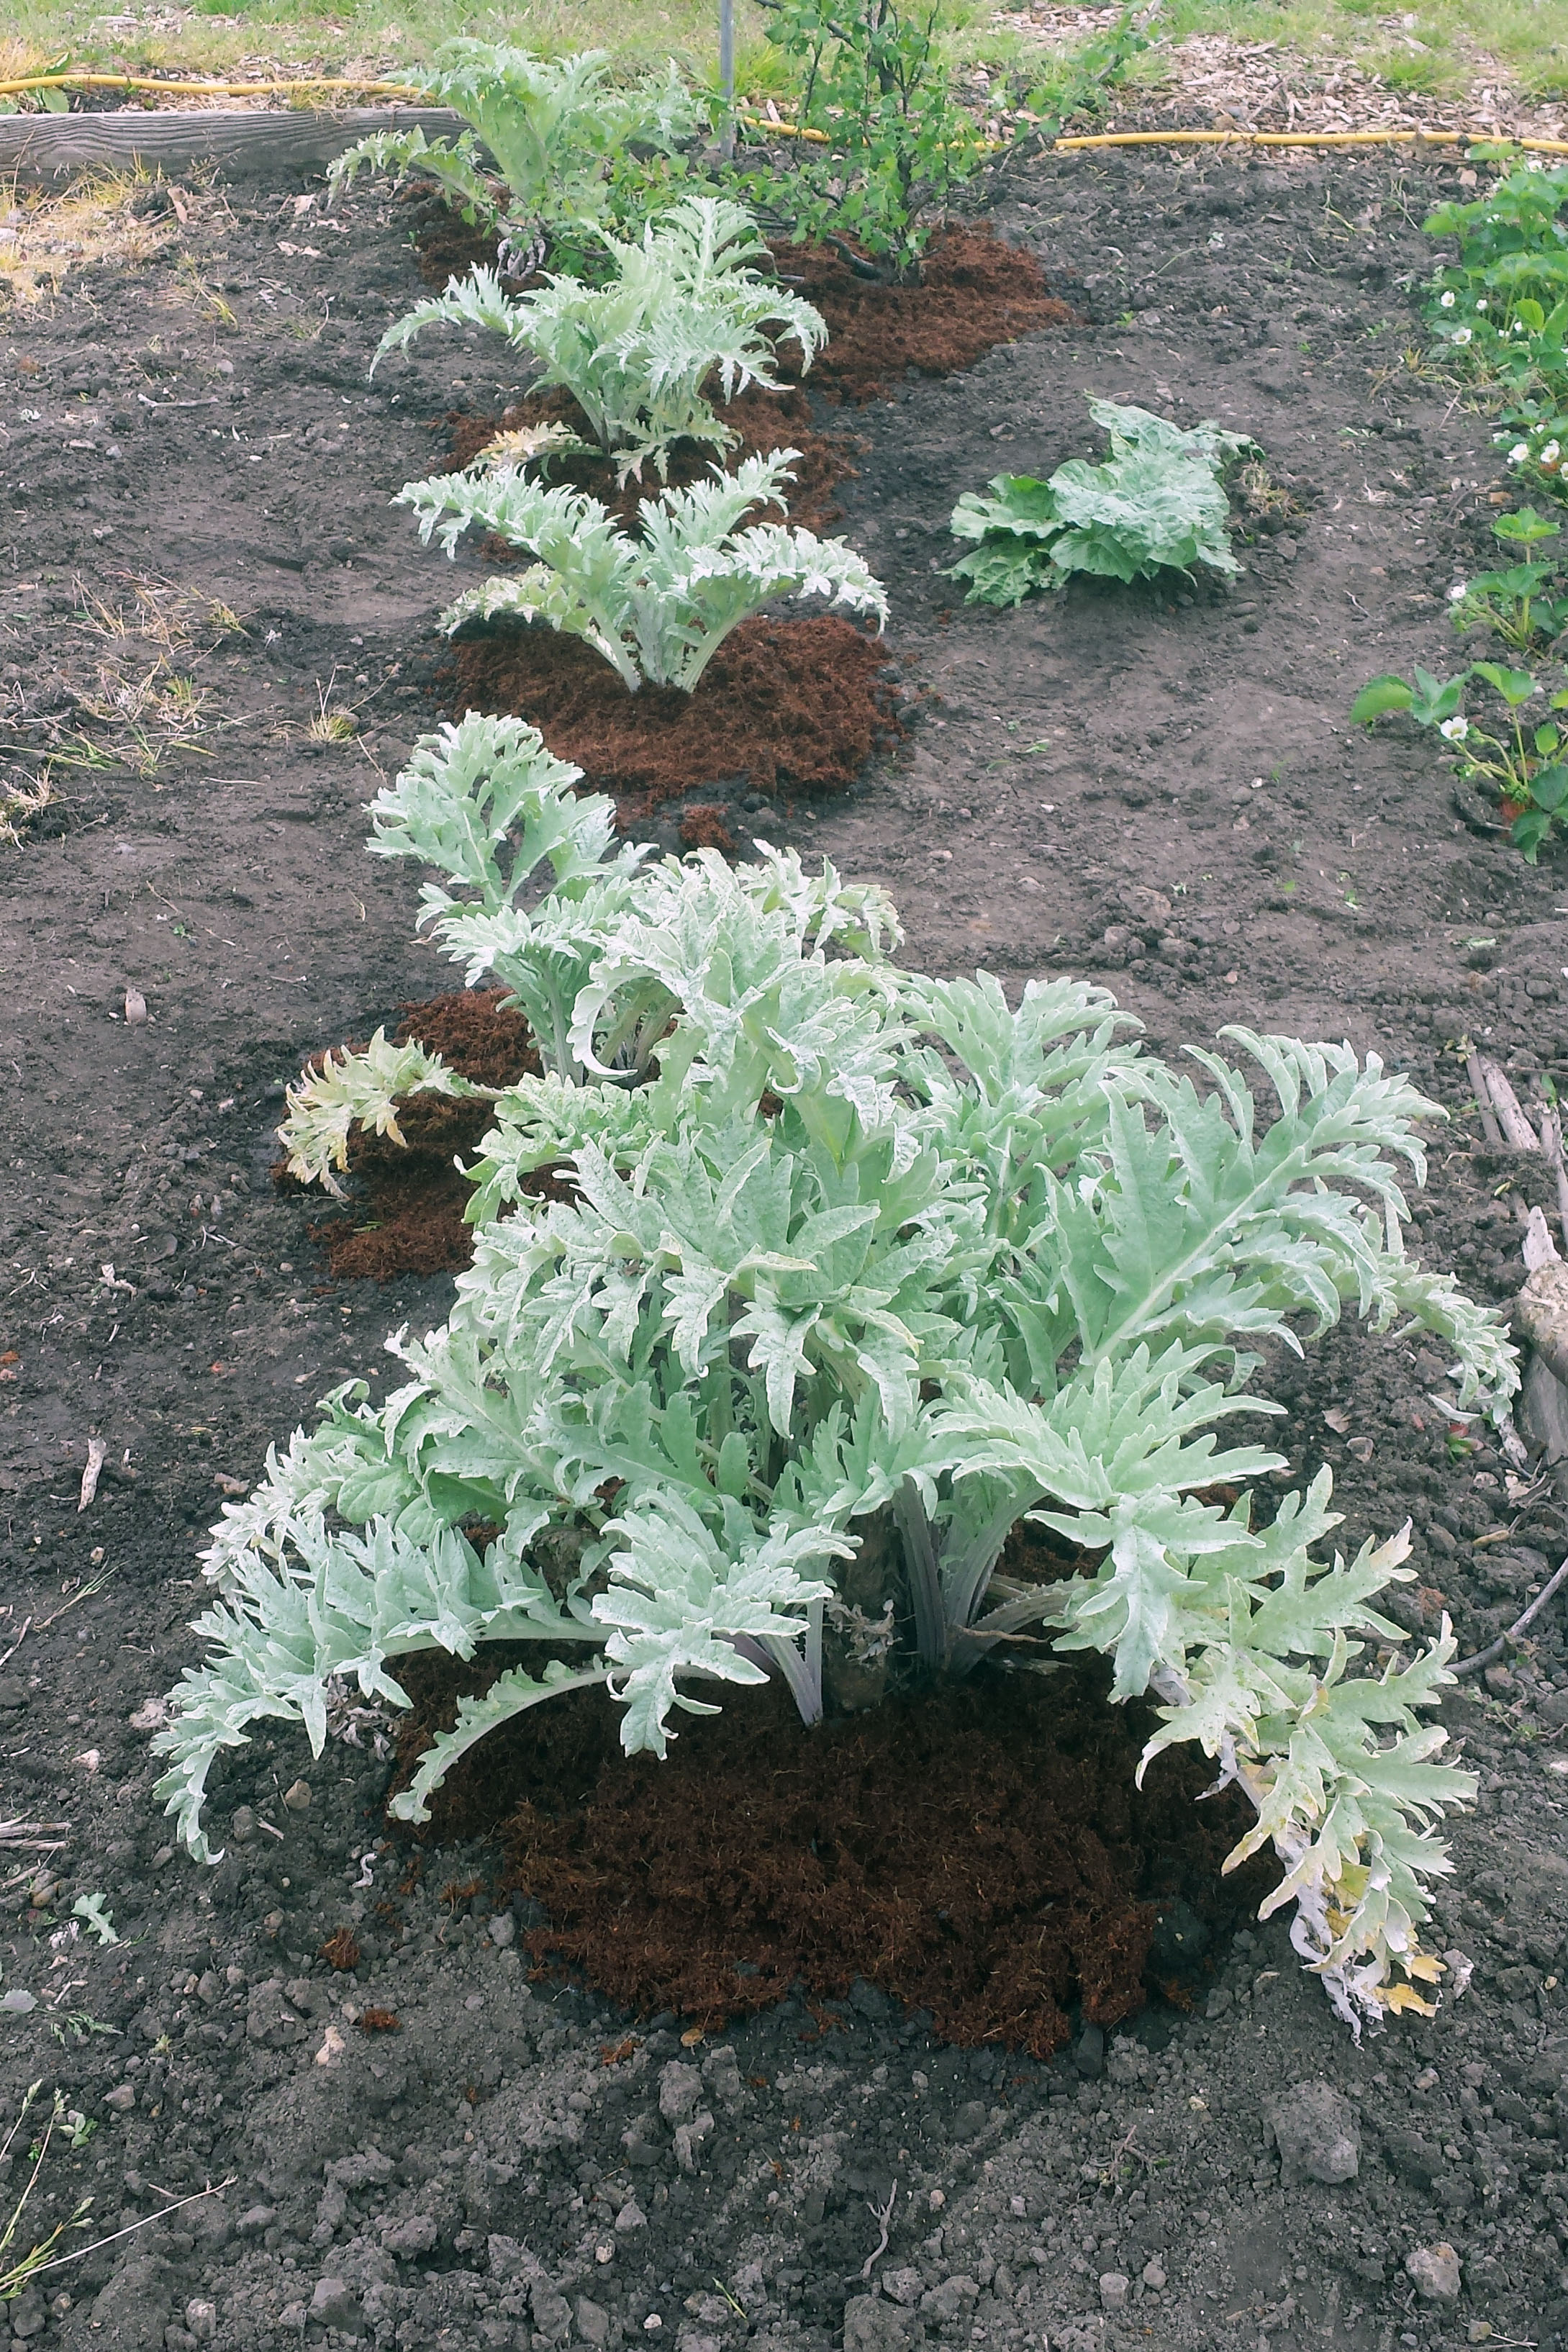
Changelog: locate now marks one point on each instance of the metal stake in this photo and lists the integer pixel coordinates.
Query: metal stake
(726, 77)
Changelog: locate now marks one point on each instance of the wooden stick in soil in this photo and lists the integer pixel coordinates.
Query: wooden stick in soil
(1551, 1144)
(1495, 1649)
(1489, 1126)
(1510, 1113)
(726, 77)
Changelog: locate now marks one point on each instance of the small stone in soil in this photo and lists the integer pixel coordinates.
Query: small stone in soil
(1435, 2272)
(334, 2304)
(1316, 2133)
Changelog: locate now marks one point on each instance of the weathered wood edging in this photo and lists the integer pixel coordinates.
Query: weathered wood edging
(246, 144)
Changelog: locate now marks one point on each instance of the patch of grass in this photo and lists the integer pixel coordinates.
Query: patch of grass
(42, 236)
(18, 805)
(373, 38)
(1441, 48)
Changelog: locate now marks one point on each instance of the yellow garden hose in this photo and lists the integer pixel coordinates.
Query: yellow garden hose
(1305, 139)
(780, 130)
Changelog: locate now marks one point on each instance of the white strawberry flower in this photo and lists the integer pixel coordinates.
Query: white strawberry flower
(1458, 591)
(1519, 452)
(1446, 300)
(1463, 334)
(1456, 729)
(1549, 454)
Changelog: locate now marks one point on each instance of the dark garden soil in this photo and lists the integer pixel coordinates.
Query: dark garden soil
(446, 2143)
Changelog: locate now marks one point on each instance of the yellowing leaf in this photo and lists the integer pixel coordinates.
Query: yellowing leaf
(1401, 1997)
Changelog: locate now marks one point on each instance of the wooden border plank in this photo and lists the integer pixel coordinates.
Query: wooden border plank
(245, 143)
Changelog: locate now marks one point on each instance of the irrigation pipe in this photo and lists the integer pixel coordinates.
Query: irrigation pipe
(783, 130)
(1495, 1649)
(1303, 139)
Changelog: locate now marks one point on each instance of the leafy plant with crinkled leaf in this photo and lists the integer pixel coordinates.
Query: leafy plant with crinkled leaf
(683, 303)
(849, 1271)
(658, 605)
(1156, 504)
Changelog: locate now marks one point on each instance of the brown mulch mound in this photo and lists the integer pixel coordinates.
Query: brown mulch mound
(406, 1216)
(978, 291)
(445, 246)
(473, 1035)
(761, 421)
(790, 706)
(703, 827)
(979, 1852)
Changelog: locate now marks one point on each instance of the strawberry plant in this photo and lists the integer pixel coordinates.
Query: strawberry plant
(659, 606)
(1500, 308)
(1524, 767)
(1534, 436)
(1156, 504)
(857, 1269)
(683, 305)
(1511, 604)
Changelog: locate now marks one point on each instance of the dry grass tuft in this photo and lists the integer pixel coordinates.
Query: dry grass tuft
(42, 236)
(18, 805)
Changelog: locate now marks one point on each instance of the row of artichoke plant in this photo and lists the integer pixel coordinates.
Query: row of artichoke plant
(847, 1273)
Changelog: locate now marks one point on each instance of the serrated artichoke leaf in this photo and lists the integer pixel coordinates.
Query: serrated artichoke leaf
(487, 783)
(357, 1088)
(676, 1600)
(509, 1695)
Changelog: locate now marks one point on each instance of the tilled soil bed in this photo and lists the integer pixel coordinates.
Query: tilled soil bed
(435, 2145)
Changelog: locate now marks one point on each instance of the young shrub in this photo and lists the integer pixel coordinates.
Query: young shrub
(1078, 83)
(682, 304)
(1157, 504)
(896, 145)
(859, 1262)
(554, 126)
(658, 606)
